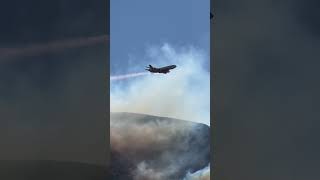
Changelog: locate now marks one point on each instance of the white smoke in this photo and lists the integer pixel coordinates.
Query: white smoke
(184, 93)
(203, 174)
(162, 149)
(146, 172)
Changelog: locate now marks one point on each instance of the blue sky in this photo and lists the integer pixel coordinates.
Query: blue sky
(135, 25)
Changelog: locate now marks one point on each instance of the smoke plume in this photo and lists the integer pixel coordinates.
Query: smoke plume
(203, 174)
(163, 148)
(184, 93)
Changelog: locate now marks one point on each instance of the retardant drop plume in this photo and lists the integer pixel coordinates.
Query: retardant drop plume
(51, 47)
(127, 76)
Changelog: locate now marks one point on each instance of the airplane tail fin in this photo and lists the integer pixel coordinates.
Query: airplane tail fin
(150, 66)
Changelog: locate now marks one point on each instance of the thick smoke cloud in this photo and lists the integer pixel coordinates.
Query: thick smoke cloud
(159, 148)
(184, 93)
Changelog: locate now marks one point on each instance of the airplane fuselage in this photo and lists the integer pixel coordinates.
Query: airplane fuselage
(163, 70)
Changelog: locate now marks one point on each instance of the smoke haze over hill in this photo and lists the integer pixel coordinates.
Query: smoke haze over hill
(156, 148)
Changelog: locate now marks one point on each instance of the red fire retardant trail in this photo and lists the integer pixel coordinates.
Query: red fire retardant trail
(50, 47)
(127, 76)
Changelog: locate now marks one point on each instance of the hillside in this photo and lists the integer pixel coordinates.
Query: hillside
(154, 148)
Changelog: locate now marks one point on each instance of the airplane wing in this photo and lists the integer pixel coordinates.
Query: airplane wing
(166, 71)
